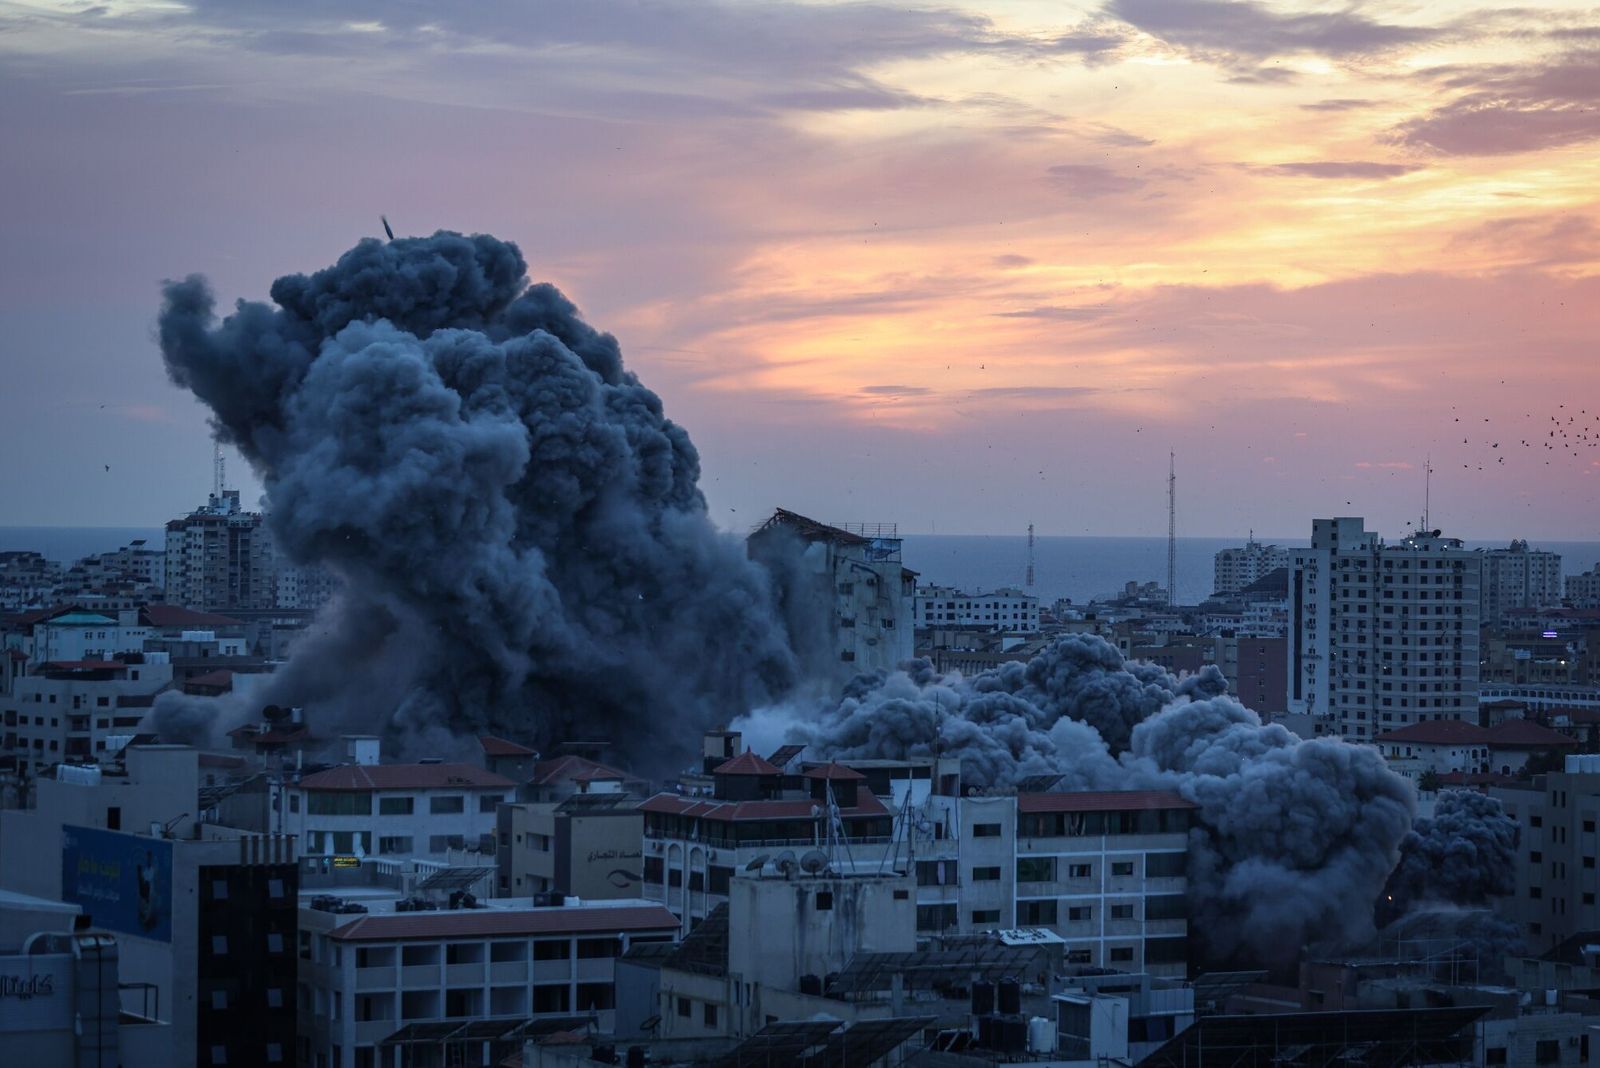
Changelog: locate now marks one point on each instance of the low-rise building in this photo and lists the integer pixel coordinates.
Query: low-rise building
(203, 916)
(693, 845)
(1006, 609)
(76, 711)
(378, 974)
(395, 810)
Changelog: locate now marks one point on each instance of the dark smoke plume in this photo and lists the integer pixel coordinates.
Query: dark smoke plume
(1465, 855)
(519, 528)
(1293, 840)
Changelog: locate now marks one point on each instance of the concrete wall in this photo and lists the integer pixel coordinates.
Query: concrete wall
(781, 929)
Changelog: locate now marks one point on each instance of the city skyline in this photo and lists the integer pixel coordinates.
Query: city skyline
(961, 269)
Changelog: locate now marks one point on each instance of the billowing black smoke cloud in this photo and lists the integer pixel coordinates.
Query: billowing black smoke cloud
(1464, 855)
(519, 528)
(1294, 838)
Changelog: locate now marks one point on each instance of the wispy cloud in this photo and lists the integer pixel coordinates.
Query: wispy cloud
(1361, 169)
(1509, 108)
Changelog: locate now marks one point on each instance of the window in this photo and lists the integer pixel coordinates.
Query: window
(938, 873)
(1121, 954)
(709, 1014)
(683, 1008)
(440, 843)
(1080, 914)
(982, 916)
(824, 900)
(986, 875)
(447, 805)
(986, 830)
(1079, 956)
(936, 917)
(1122, 912)
(1122, 867)
(1036, 913)
(339, 803)
(294, 802)
(396, 806)
(1547, 1051)
(487, 802)
(595, 948)
(114, 818)
(1166, 907)
(1036, 869)
(1079, 871)
(400, 844)
(1164, 865)
(551, 998)
(549, 950)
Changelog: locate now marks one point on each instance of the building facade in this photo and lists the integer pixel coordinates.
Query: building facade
(1559, 817)
(395, 810)
(1382, 636)
(1006, 609)
(82, 711)
(856, 574)
(1518, 577)
(1234, 569)
(366, 976)
(220, 557)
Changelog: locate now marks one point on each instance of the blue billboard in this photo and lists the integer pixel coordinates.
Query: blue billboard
(123, 882)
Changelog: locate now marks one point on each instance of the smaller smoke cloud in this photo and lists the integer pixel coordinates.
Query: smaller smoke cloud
(1464, 855)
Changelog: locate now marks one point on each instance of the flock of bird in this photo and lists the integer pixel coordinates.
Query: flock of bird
(1564, 433)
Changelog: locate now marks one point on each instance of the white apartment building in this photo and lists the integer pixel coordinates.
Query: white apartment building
(1381, 636)
(1007, 609)
(1234, 569)
(220, 557)
(365, 976)
(857, 573)
(80, 711)
(394, 810)
(79, 634)
(1518, 577)
(1583, 590)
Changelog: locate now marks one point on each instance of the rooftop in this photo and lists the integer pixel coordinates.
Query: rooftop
(1438, 732)
(405, 777)
(867, 804)
(1103, 801)
(500, 747)
(810, 529)
(172, 615)
(746, 763)
(573, 769)
(834, 771)
(496, 922)
(1523, 734)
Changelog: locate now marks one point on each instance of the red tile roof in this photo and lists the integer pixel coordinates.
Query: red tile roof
(572, 769)
(404, 777)
(171, 615)
(1521, 734)
(746, 763)
(82, 665)
(1103, 801)
(222, 677)
(499, 747)
(491, 923)
(706, 808)
(835, 771)
(1438, 732)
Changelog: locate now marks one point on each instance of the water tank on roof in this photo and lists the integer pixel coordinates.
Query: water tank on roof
(1041, 1036)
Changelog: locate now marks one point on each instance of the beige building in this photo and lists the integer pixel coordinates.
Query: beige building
(1557, 877)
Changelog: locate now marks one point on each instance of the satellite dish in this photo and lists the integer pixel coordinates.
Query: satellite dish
(785, 863)
(757, 863)
(815, 862)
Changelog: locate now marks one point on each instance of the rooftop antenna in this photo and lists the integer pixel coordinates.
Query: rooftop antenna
(1029, 581)
(219, 473)
(1172, 528)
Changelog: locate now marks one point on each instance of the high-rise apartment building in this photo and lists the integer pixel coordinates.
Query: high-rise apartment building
(220, 557)
(855, 576)
(1519, 577)
(1381, 636)
(1236, 568)
(1006, 609)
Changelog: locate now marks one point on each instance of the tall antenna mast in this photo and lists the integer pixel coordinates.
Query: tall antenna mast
(218, 471)
(1030, 555)
(1172, 528)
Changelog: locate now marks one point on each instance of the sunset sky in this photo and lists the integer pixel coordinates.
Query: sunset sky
(960, 267)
